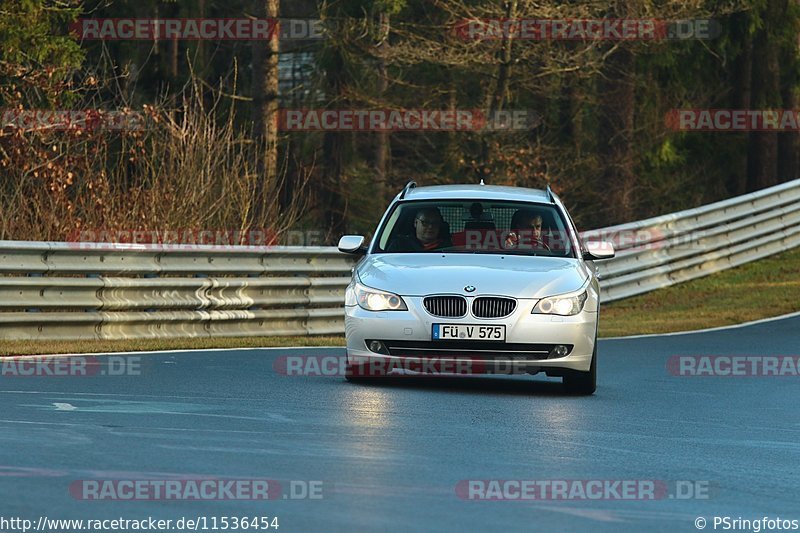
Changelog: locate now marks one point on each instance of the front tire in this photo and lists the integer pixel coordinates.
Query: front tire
(583, 383)
(352, 373)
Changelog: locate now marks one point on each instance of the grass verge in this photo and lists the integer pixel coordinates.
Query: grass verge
(762, 289)
(146, 345)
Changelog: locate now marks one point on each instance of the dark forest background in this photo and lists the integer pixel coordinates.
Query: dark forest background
(211, 157)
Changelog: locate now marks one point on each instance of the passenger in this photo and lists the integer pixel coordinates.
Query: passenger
(430, 233)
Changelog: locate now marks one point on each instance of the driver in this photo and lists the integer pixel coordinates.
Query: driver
(526, 230)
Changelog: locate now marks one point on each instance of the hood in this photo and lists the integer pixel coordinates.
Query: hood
(501, 275)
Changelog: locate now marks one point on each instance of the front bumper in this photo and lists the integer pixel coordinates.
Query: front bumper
(408, 334)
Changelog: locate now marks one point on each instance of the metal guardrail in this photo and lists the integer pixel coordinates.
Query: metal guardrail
(99, 291)
(51, 290)
(669, 249)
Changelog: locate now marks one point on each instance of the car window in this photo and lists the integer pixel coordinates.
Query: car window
(495, 227)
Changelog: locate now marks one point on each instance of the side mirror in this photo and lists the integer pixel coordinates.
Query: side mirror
(598, 250)
(352, 244)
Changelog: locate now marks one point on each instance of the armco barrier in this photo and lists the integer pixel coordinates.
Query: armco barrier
(51, 290)
(669, 249)
(102, 291)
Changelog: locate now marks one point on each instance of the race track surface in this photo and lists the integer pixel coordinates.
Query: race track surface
(389, 456)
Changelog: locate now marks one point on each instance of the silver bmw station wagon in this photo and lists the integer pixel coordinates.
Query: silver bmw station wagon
(475, 279)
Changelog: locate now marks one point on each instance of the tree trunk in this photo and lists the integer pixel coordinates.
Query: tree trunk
(742, 95)
(506, 58)
(334, 151)
(498, 97)
(382, 137)
(174, 52)
(201, 51)
(265, 111)
(617, 93)
(789, 142)
(570, 118)
(763, 148)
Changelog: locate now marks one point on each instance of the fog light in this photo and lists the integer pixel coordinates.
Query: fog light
(559, 351)
(377, 347)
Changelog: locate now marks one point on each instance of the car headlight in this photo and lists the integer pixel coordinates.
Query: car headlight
(373, 299)
(561, 305)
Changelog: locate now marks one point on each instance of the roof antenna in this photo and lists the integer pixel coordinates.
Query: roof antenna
(482, 183)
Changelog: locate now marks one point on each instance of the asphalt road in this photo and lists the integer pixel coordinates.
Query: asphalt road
(391, 455)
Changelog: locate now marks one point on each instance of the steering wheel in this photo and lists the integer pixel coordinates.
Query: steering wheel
(512, 241)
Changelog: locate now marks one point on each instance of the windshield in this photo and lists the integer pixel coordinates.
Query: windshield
(491, 227)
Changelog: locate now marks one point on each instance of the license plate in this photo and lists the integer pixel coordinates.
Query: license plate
(468, 332)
